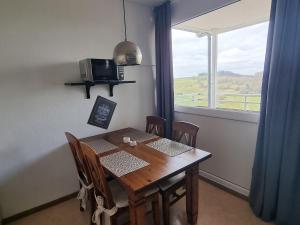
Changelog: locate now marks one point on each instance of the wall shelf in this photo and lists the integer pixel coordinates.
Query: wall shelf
(110, 83)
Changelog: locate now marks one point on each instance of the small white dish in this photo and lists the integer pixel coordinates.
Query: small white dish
(126, 140)
(132, 143)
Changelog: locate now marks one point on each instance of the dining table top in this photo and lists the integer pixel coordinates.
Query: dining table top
(161, 166)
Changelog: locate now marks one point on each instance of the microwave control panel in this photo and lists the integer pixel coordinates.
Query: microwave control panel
(121, 72)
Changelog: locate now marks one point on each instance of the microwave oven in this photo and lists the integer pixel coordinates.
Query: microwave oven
(100, 69)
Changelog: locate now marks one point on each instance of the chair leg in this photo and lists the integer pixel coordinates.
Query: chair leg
(166, 208)
(93, 206)
(114, 220)
(81, 209)
(102, 219)
(155, 210)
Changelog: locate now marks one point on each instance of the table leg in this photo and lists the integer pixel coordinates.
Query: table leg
(137, 209)
(192, 194)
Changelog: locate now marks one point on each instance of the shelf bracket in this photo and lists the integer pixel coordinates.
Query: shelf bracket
(89, 84)
(111, 90)
(87, 91)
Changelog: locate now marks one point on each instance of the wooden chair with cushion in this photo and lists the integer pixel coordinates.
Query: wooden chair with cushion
(155, 125)
(111, 198)
(84, 181)
(173, 189)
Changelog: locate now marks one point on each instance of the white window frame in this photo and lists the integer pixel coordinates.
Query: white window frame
(211, 110)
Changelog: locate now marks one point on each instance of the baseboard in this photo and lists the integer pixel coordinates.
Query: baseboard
(36, 209)
(224, 184)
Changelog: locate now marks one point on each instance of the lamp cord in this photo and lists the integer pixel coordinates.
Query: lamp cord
(124, 14)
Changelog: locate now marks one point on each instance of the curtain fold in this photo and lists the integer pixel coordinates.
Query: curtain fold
(275, 186)
(164, 65)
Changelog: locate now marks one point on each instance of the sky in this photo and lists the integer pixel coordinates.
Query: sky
(241, 51)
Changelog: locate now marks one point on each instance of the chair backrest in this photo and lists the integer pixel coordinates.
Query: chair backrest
(185, 133)
(78, 155)
(97, 174)
(155, 125)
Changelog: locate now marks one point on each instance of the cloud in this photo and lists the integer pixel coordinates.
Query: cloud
(190, 53)
(241, 51)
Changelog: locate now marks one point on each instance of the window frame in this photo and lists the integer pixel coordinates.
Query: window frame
(243, 116)
(211, 110)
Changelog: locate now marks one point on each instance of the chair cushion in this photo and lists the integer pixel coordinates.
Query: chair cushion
(151, 191)
(166, 184)
(120, 196)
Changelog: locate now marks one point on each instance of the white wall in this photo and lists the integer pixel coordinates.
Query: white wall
(40, 44)
(232, 144)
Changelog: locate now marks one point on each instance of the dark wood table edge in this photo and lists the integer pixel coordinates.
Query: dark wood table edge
(184, 169)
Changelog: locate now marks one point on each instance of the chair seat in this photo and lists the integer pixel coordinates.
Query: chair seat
(166, 184)
(120, 196)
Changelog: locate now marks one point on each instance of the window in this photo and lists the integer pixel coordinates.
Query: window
(220, 70)
(240, 65)
(190, 60)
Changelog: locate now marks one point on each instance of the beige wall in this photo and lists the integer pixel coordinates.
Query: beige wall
(232, 143)
(40, 44)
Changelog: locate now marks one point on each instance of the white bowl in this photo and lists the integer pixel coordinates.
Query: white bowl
(126, 139)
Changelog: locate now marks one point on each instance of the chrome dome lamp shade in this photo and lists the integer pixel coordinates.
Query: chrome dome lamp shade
(127, 53)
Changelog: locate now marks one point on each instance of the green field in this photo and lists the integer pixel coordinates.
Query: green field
(232, 92)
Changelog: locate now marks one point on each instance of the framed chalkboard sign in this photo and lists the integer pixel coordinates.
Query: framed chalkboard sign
(102, 112)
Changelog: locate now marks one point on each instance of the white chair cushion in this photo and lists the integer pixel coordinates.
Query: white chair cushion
(120, 196)
(151, 191)
(166, 184)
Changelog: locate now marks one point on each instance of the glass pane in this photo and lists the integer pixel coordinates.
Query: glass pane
(190, 66)
(241, 55)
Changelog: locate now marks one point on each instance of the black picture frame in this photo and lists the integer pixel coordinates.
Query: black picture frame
(102, 112)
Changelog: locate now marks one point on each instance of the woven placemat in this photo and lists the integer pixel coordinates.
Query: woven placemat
(101, 145)
(139, 136)
(122, 163)
(168, 147)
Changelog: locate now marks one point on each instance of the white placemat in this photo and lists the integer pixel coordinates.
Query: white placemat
(101, 145)
(168, 147)
(122, 163)
(139, 136)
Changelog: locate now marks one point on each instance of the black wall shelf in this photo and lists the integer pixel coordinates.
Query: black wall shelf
(110, 83)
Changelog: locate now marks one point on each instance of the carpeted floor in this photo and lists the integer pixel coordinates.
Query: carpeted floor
(216, 207)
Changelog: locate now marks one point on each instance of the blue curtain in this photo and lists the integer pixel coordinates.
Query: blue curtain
(164, 65)
(275, 187)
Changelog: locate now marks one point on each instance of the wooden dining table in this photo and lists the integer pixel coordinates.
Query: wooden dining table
(161, 166)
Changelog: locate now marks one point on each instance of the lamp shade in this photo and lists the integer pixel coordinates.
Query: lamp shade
(127, 53)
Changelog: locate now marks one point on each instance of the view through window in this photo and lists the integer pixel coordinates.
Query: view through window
(236, 80)
(240, 63)
(190, 60)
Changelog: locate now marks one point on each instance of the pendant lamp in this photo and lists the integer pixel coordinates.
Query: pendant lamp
(127, 53)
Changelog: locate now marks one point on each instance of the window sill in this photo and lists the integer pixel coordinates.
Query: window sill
(249, 117)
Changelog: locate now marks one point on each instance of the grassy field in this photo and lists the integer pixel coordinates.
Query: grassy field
(232, 92)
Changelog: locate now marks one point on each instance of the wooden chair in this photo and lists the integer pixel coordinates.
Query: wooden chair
(82, 171)
(155, 125)
(173, 189)
(114, 197)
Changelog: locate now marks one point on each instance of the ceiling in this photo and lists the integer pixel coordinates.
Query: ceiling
(149, 2)
(244, 12)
